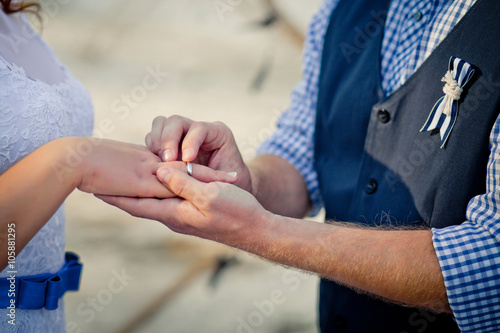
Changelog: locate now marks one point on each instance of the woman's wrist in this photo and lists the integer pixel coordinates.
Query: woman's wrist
(69, 159)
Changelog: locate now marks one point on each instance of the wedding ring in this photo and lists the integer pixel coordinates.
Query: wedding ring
(189, 169)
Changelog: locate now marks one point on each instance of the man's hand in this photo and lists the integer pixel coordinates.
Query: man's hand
(210, 144)
(398, 265)
(216, 211)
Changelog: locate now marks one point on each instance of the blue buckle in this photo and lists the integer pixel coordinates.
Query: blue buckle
(41, 291)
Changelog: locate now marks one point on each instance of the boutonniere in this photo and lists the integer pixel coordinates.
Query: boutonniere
(444, 113)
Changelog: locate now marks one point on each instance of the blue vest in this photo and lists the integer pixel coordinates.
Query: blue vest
(376, 168)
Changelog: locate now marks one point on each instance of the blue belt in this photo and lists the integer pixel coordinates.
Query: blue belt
(41, 291)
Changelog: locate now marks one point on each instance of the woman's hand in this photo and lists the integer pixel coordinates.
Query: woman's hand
(124, 169)
(113, 167)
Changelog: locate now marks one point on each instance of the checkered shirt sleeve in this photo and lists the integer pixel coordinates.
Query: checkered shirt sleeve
(293, 139)
(469, 254)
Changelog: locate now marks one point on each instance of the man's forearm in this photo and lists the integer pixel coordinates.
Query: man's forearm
(278, 186)
(400, 265)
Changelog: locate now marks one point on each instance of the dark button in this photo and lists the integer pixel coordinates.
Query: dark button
(339, 323)
(418, 15)
(371, 186)
(384, 116)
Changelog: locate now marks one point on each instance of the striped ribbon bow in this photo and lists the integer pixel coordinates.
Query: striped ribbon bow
(444, 113)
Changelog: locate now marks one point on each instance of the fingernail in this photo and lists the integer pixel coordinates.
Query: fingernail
(187, 155)
(167, 155)
(232, 174)
(163, 174)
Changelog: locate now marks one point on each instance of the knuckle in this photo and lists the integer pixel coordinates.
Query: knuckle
(225, 132)
(198, 125)
(178, 184)
(208, 197)
(174, 117)
(221, 126)
(213, 191)
(203, 202)
(159, 120)
(177, 119)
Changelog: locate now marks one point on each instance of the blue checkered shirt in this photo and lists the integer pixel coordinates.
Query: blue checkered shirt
(469, 253)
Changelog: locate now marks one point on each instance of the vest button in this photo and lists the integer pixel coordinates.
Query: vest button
(339, 323)
(371, 186)
(383, 116)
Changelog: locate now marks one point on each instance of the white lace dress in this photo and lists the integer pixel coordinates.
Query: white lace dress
(33, 112)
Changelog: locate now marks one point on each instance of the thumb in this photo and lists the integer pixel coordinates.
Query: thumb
(180, 183)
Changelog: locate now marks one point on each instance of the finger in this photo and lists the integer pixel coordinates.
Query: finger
(154, 189)
(149, 143)
(201, 172)
(180, 183)
(153, 209)
(172, 133)
(208, 175)
(153, 138)
(209, 135)
(195, 137)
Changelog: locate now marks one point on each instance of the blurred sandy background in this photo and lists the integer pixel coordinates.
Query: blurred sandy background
(218, 60)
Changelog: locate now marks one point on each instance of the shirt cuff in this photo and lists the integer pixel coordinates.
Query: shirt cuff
(469, 256)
